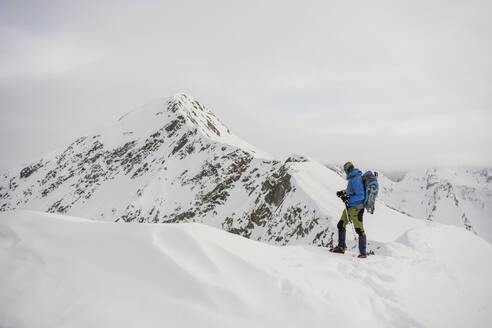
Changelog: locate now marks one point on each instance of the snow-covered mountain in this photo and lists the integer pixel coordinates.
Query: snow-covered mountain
(173, 161)
(460, 196)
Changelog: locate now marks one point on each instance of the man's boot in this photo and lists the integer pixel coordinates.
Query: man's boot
(341, 242)
(362, 246)
(341, 238)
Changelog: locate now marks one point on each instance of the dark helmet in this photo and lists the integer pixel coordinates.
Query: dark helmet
(348, 167)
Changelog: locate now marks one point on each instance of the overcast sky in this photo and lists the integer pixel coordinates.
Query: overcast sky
(386, 84)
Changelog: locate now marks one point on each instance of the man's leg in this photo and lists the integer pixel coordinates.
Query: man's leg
(357, 217)
(342, 231)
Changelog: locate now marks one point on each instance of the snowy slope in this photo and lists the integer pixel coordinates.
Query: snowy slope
(460, 196)
(173, 161)
(60, 271)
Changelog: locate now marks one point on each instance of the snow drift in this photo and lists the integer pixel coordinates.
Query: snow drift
(60, 271)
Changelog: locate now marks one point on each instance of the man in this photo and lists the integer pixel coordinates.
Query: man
(353, 197)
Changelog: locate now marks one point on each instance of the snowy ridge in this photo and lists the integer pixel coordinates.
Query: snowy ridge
(59, 271)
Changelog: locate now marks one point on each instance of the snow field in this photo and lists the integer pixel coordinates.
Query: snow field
(59, 271)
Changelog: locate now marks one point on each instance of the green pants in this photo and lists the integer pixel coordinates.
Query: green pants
(355, 215)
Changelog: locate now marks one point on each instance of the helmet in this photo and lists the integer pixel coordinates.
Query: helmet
(348, 167)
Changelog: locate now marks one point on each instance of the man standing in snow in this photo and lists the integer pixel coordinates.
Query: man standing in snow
(353, 197)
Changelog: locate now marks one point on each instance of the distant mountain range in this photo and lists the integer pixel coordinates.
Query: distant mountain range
(460, 196)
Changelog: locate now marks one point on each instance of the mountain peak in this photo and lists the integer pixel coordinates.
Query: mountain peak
(170, 160)
(178, 114)
(198, 115)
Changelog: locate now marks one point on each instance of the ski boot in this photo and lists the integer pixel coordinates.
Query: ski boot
(337, 249)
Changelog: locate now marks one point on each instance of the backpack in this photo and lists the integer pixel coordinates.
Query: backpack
(371, 189)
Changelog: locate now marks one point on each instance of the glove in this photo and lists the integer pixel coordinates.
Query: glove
(343, 196)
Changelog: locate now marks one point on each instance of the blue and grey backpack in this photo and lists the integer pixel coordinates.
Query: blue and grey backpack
(371, 189)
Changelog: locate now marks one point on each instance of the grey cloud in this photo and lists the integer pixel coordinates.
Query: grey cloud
(412, 80)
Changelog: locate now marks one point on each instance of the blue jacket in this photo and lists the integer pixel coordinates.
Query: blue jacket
(355, 188)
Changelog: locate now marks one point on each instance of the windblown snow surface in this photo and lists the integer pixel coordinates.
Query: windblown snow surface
(61, 271)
